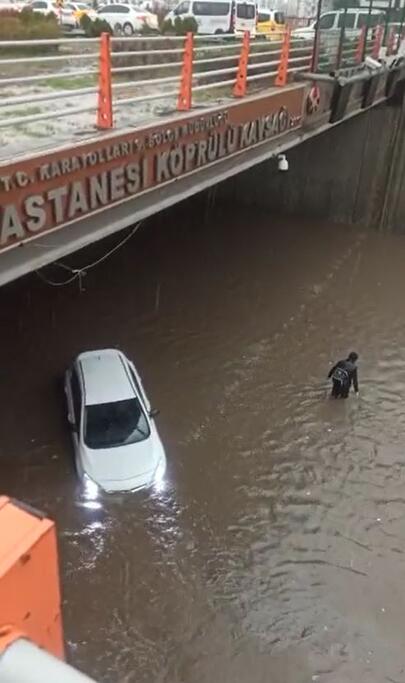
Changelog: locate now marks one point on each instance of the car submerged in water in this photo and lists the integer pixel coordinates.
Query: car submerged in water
(116, 442)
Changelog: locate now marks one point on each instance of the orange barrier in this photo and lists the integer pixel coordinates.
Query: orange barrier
(360, 45)
(378, 36)
(282, 74)
(185, 96)
(105, 109)
(29, 578)
(240, 87)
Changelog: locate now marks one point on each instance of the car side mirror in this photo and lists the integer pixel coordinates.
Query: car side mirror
(154, 413)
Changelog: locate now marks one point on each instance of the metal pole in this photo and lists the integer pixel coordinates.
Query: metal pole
(341, 39)
(401, 28)
(315, 47)
(24, 662)
(370, 7)
(387, 21)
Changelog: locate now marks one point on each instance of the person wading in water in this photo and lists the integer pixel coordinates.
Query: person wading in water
(343, 375)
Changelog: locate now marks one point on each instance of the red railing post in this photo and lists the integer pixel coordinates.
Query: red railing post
(105, 109)
(360, 45)
(184, 100)
(282, 73)
(378, 35)
(391, 41)
(240, 87)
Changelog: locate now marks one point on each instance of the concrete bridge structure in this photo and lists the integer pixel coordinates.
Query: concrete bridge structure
(342, 131)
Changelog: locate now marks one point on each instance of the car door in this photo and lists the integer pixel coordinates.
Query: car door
(128, 17)
(220, 17)
(109, 14)
(329, 35)
(347, 20)
(245, 17)
(264, 23)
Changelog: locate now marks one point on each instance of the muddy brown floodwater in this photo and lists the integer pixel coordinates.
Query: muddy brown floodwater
(275, 552)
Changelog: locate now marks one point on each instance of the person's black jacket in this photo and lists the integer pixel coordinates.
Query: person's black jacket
(351, 369)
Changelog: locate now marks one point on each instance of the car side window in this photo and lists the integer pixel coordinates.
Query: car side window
(376, 19)
(347, 20)
(76, 396)
(182, 8)
(327, 21)
(370, 20)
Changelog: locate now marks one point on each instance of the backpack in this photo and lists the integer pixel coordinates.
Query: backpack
(341, 375)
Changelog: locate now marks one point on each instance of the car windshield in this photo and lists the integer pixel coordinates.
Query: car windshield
(109, 425)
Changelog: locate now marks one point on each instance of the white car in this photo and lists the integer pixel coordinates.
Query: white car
(117, 446)
(332, 22)
(7, 5)
(124, 18)
(64, 16)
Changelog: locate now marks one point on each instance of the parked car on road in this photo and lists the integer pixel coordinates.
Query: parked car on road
(353, 20)
(117, 446)
(271, 23)
(11, 5)
(218, 16)
(63, 15)
(126, 19)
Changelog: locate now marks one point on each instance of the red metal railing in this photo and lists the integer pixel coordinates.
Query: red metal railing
(118, 81)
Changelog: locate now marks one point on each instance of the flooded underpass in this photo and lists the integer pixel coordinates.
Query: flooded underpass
(274, 552)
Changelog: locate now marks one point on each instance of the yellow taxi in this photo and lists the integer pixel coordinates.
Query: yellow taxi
(270, 22)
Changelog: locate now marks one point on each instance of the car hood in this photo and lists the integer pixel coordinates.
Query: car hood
(132, 462)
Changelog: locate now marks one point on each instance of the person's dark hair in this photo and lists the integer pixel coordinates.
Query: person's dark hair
(353, 356)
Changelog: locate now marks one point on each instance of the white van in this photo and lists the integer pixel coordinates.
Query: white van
(218, 16)
(353, 20)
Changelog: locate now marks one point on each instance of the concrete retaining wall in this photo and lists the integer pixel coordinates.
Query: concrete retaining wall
(352, 173)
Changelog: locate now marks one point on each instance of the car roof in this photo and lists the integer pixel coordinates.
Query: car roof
(105, 376)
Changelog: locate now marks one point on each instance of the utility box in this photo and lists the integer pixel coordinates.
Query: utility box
(29, 578)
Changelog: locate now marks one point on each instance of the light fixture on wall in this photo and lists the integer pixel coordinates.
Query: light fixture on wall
(282, 162)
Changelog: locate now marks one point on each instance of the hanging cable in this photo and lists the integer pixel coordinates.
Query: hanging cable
(78, 273)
